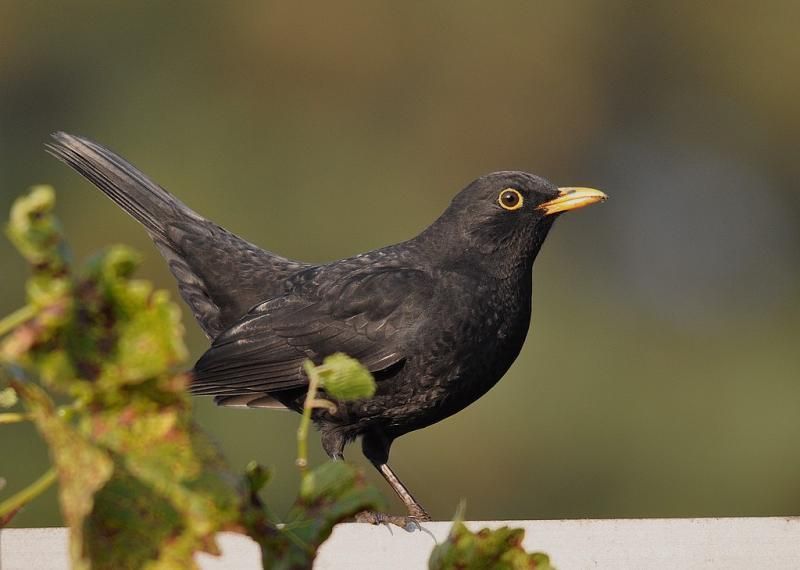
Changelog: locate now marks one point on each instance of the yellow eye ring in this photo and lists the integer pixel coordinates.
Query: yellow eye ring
(510, 199)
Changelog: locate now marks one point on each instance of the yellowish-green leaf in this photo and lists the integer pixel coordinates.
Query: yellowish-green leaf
(36, 233)
(8, 397)
(345, 378)
(82, 468)
(500, 549)
(331, 493)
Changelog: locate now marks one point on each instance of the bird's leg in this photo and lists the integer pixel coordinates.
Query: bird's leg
(376, 449)
(415, 510)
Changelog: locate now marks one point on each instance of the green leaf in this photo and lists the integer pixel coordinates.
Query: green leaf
(36, 233)
(345, 378)
(499, 549)
(331, 493)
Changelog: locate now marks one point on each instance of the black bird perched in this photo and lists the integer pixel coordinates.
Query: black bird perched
(437, 319)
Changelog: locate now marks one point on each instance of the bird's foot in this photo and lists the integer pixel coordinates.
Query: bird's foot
(408, 522)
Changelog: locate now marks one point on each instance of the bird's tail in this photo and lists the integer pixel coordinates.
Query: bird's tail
(220, 275)
(126, 185)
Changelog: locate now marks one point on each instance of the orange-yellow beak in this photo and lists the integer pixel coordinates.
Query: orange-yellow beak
(572, 199)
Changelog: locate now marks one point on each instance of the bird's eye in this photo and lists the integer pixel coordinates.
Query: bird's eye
(510, 199)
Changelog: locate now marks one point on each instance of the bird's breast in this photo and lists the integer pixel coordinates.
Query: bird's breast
(464, 346)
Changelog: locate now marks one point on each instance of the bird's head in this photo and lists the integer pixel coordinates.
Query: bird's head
(506, 216)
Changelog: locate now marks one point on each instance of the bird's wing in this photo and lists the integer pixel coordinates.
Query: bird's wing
(220, 276)
(365, 314)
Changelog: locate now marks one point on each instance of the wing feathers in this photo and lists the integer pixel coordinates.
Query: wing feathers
(365, 315)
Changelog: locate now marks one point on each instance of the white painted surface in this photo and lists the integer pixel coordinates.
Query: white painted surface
(640, 544)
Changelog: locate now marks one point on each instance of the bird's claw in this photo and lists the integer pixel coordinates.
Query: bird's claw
(408, 523)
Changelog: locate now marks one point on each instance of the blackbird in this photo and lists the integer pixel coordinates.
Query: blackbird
(437, 319)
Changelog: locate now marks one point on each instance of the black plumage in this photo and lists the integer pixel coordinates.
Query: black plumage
(437, 319)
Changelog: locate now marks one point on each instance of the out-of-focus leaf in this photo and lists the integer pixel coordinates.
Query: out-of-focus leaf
(139, 483)
(499, 549)
(82, 467)
(36, 233)
(8, 397)
(345, 378)
(256, 477)
(335, 490)
(28, 344)
(157, 517)
(114, 331)
(331, 493)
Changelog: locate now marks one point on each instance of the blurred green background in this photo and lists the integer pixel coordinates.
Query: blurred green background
(662, 375)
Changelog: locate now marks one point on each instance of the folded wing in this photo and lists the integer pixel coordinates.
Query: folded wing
(366, 314)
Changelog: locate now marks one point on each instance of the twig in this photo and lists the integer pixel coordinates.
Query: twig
(12, 321)
(14, 418)
(302, 430)
(20, 499)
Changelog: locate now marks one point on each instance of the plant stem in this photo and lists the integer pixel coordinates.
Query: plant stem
(13, 418)
(302, 430)
(29, 493)
(10, 322)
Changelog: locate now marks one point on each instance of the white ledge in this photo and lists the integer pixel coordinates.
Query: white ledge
(572, 544)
